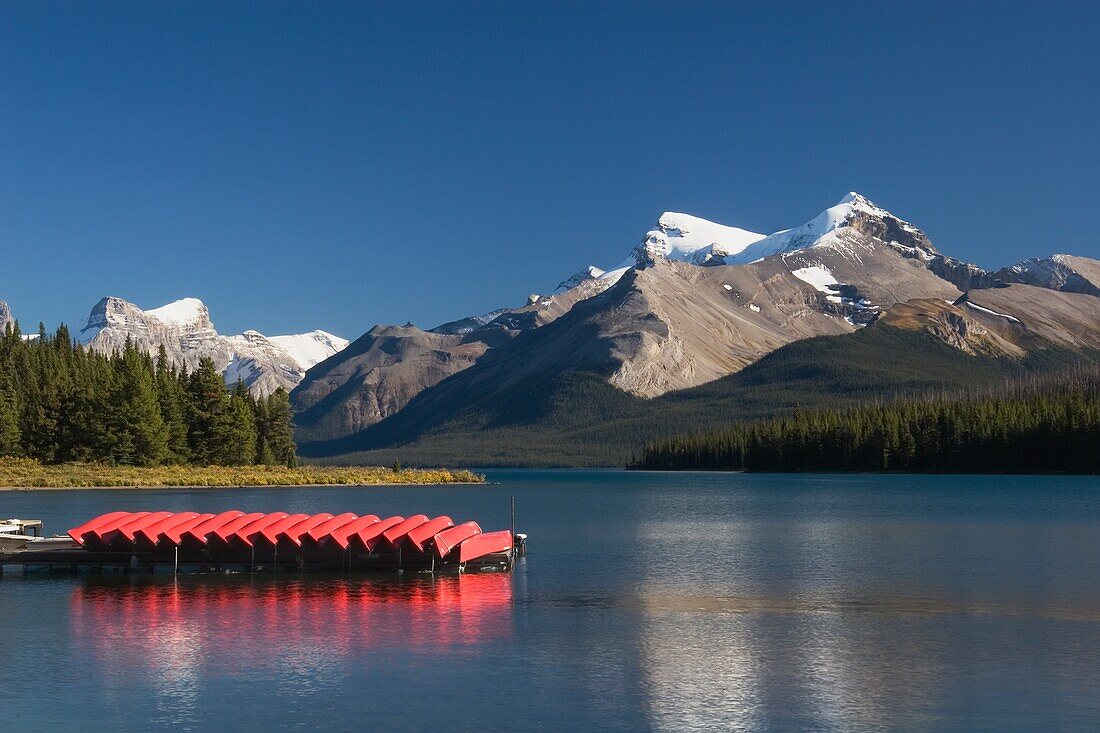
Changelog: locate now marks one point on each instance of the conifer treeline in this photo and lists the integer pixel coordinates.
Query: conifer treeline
(1043, 425)
(60, 402)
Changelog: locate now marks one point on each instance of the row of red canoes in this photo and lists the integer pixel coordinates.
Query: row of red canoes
(463, 542)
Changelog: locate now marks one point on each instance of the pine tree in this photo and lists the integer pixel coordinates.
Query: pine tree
(263, 449)
(237, 437)
(141, 433)
(279, 430)
(207, 420)
(172, 399)
(9, 427)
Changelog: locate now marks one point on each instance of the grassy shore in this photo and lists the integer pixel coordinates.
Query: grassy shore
(22, 473)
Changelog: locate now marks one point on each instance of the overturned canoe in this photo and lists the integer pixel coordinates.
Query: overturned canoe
(322, 540)
(447, 540)
(482, 545)
(425, 532)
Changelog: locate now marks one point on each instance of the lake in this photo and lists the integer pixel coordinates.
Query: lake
(661, 601)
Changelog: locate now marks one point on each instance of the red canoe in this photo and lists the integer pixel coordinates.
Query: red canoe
(426, 531)
(295, 533)
(245, 533)
(77, 533)
(342, 536)
(322, 531)
(153, 531)
(371, 535)
(397, 531)
(272, 531)
(451, 538)
(127, 530)
(485, 544)
(228, 530)
(175, 534)
(102, 530)
(200, 530)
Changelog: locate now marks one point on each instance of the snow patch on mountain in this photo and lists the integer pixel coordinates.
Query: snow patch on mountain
(181, 312)
(991, 312)
(818, 276)
(589, 273)
(310, 349)
(687, 238)
(690, 239)
(855, 308)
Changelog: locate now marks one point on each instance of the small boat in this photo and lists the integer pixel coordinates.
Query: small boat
(128, 530)
(447, 540)
(324, 530)
(372, 533)
(394, 534)
(420, 535)
(175, 534)
(227, 531)
(152, 532)
(77, 533)
(482, 545)
(272, 531)
(342, 535)
(295, 533)
(247, 532)
(97, 533)
(202, 529)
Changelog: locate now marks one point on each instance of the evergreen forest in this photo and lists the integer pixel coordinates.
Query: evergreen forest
(60, 402)
(1041, 424)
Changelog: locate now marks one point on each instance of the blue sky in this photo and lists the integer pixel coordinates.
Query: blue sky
(304, 165)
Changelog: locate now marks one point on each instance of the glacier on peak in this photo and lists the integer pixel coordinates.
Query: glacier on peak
(686, 238)
(183, 311)
(310, 349)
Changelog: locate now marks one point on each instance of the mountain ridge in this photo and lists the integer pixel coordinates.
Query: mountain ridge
(697, 301)
(187, 333)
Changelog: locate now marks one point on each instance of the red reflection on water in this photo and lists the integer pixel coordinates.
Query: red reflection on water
(245, 622)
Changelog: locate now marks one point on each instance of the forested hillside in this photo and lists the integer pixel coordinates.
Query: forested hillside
(1038, 425)
(60, 402)
(577, 419)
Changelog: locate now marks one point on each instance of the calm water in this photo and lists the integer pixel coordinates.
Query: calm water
(670, 602)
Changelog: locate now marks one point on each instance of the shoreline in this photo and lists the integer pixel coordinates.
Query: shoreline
(22, 474)
(238, 486)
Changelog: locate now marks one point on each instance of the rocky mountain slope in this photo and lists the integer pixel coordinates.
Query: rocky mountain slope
(1059, 272)
(694, 302)
(6, 318)
(389, 365)
(186, 332)
(376, 376)
(673, 315)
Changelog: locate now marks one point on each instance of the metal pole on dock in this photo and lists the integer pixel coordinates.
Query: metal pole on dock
(176, 565)
(512, 554)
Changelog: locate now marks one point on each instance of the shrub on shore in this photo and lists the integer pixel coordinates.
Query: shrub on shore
(29, 473)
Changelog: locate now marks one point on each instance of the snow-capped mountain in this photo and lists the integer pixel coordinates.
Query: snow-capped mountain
(693, 301)
(187, 333)
(686, 238)
(1058, 272)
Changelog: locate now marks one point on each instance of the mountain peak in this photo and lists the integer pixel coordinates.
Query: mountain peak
(181, 312)
(690, 238)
